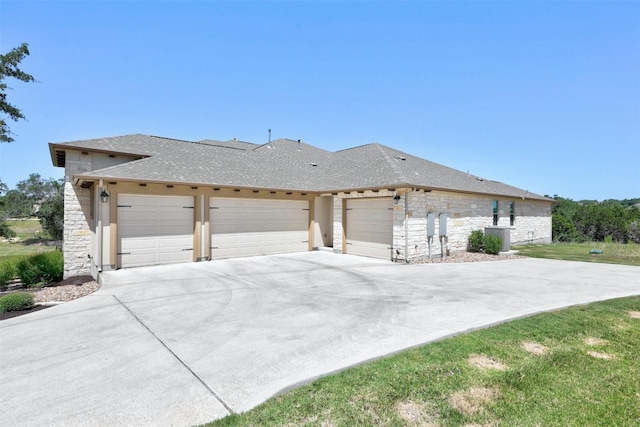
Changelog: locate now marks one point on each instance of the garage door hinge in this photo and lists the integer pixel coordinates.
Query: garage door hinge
(349, 243)
(213, 207)
(214, 247)
(190, 249)
(187, 207)
(123, 253)
(305, 209)
(389, 209)
(305, 241)
(124, 206)
(349, 209)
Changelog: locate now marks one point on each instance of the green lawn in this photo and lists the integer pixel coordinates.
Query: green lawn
(574, 367)
(32, 239)
(612, 253)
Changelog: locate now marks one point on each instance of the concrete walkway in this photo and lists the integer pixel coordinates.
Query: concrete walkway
(185, 344)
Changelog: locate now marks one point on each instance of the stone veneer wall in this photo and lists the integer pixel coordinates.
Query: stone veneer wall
(76, 244)
(465, 213)
(78, 223)
(337, 224)
(469, 212)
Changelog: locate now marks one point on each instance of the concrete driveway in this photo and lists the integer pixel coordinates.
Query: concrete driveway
(185, 344)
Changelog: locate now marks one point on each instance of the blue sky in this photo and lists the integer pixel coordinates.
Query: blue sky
(544, 96)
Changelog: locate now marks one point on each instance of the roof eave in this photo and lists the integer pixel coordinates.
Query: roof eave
(94, 177)
(52, 154)
(53, 146)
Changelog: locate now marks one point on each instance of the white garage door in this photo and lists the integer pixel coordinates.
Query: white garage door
(248, 227)
(154, 229)
(370, 227)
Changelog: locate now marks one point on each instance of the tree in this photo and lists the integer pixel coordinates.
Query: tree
(9, 68)
(34, 196)
(593, 220)
(562, 229)
(37, 189)
(16, 205)
(51, 212)
(3, 189)
(5, 230)
(29, 194)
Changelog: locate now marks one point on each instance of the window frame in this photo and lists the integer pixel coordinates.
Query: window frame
(495, 206)
(512, 213)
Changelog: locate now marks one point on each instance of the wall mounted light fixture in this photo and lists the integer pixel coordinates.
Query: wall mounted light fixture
(104, 196)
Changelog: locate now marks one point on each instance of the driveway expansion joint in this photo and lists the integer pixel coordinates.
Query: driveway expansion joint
(182, 362)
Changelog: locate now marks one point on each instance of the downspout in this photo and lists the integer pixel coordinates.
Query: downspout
(202, 229)
(406, 226)
(99, 230)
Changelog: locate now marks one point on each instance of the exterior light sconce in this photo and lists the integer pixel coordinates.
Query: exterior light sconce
(104, 196)
(396, 199)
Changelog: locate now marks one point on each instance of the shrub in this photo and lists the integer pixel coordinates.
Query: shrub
(492, 244)
(7, 273)
(633, 232)
(476, 241)
(6, 231)
(16, 302)
(40, 269)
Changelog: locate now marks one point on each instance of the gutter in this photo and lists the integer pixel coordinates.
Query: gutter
(99, 235)
(406, 225)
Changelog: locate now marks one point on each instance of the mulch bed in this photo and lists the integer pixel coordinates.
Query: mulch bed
(66, 290)
(10, 314)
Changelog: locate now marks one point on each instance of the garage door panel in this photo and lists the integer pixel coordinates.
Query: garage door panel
(174, 256)
(249, 227)
(146, 230)
(250, 238)
(370, 227)
(173, 217)
(140, 259)
(135, 231)
(371, 238)
(175, 229)
(227, 238)
(175, 241)
(296, 224)
(366, 248)
(155, 229)
(143, 244)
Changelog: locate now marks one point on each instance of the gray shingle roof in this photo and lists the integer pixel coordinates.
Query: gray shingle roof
(280, 165)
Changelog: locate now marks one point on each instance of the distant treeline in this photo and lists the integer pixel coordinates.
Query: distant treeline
(591, 220)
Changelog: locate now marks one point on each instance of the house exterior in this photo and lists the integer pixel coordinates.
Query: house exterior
(140, 200)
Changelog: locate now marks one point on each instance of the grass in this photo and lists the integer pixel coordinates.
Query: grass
(613, 253)
(32, 240)
(580, 368)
